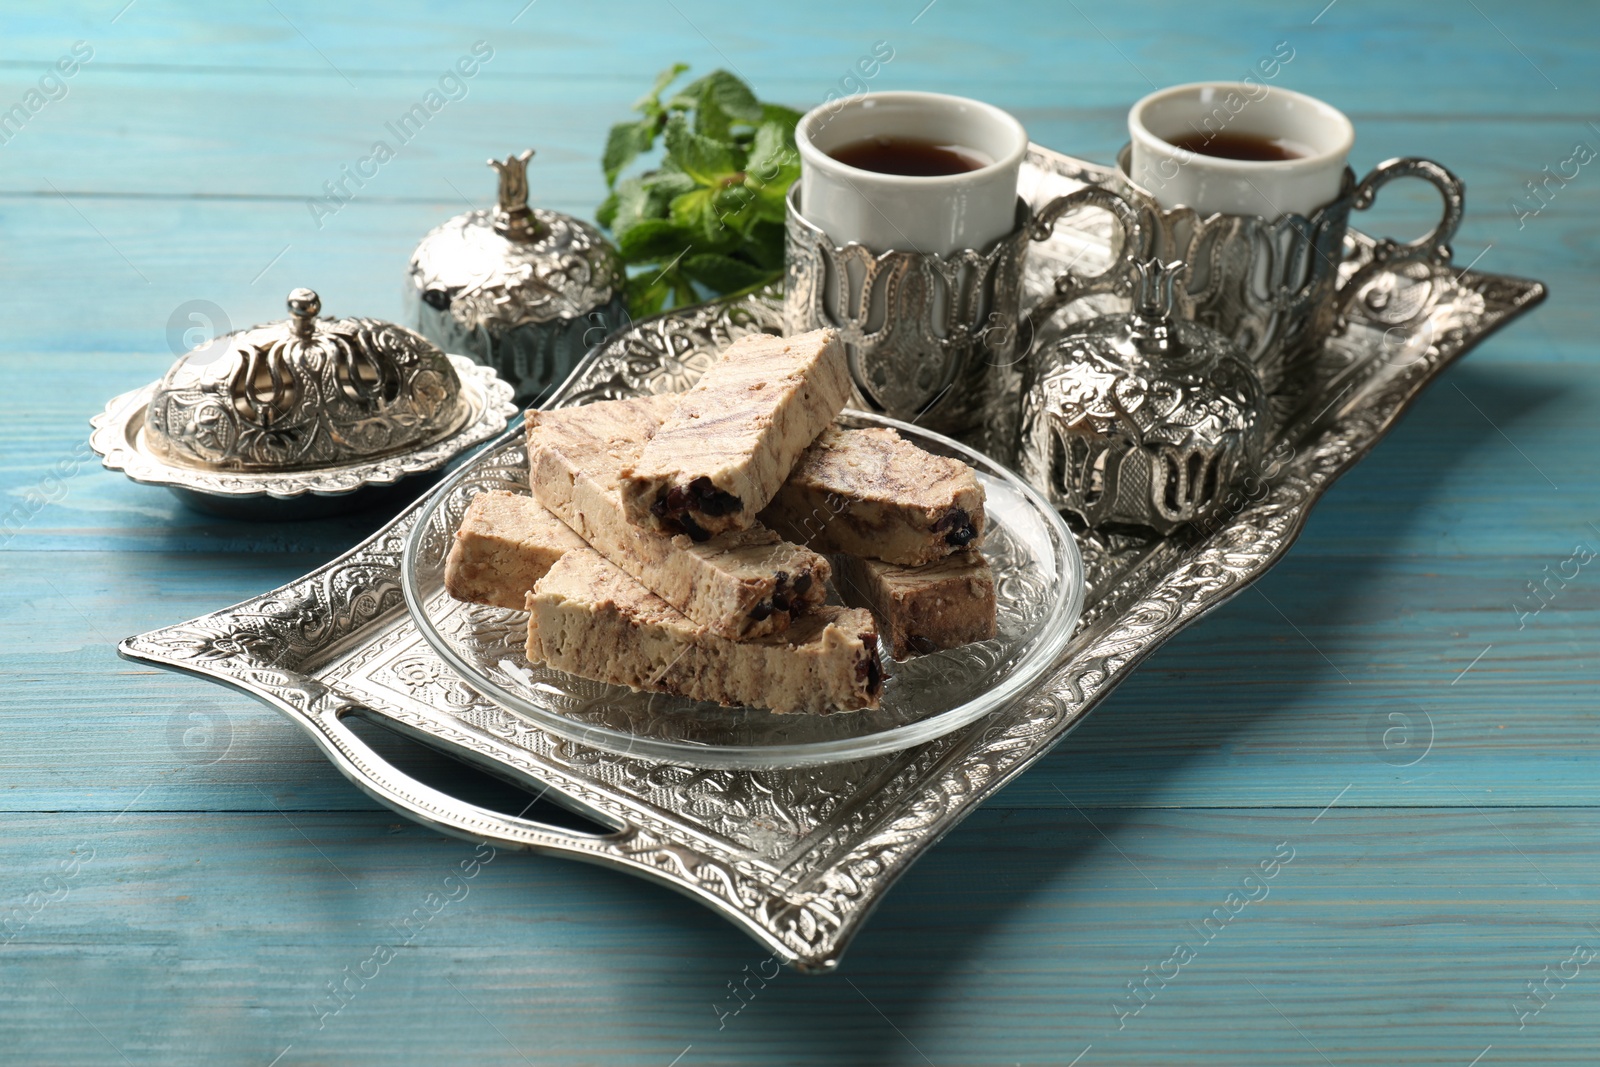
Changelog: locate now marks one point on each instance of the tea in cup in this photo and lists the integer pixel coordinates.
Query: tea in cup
(1238, 148)
(911, 172)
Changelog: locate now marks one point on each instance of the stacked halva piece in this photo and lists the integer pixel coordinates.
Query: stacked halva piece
(652, 551)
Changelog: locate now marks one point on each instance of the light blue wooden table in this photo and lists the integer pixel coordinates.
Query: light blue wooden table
(182, 878)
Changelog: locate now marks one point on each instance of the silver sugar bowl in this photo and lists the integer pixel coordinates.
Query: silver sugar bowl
(1142, 419)
(523, 290)
(302, 417)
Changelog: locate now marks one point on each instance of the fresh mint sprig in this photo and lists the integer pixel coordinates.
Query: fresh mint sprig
(709, 219)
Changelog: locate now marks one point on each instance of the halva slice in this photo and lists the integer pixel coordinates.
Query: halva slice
(740, 584)
(734, 436)
(589, 618)
(505, 544)
(939, 605)
(871, 493)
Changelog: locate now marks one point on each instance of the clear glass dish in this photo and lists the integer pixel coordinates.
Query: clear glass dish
(1038, 583)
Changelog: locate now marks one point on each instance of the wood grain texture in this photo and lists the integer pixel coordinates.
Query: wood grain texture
(1367, 946)
(1386, 702)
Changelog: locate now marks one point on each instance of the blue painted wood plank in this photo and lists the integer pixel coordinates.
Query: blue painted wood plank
(1381, 936)
(1431, 53)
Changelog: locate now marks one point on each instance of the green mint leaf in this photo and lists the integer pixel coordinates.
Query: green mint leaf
(623, 207)
(606, 213)
(664, 185)
(774, 166)
(697, 216)
(648, 196)
(771, 200)
(774, 159)
(705, 160)
(713, 122)
(647, 293)
(625, 142)
(718, 101)
(683, 292)
(723, 274)
(786, 117)
(723, 91)
(764, 245)
(710, 218)
(654, 241)
(650, 103)
(737, 205)
(667, 77)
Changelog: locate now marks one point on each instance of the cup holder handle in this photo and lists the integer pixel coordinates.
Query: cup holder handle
(1071, 285)
(1432, 248)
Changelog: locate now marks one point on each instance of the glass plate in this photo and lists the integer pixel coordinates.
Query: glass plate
(1038, 584)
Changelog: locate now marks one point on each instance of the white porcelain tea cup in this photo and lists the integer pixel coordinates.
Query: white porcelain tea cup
(938, 214)
(1177, 177)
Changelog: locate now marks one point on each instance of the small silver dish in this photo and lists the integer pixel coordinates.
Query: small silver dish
(301, 418)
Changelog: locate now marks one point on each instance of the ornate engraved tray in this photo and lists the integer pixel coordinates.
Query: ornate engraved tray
(798, 858)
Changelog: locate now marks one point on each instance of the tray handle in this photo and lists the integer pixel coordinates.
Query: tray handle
(384, 782)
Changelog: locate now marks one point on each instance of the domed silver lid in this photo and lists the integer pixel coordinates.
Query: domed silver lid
(304, 393)
(493, 271)
(1143, 418)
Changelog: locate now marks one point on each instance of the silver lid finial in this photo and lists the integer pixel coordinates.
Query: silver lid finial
(511, 215)
(1154, 288)
(304, 307)
(1154, 297)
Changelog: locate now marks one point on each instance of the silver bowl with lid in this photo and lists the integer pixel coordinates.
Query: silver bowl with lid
(303, 417)
(524, 290)
(1142, 419)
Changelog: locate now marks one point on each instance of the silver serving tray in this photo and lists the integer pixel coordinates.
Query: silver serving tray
(798, 858)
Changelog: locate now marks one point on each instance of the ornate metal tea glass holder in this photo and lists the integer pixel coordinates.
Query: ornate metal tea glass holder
(1273, 285)
(935, 339)
(930, 339)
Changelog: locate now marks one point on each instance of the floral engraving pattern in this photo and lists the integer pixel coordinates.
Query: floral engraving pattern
(923, 334)
(668, 353)
(330, 392)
